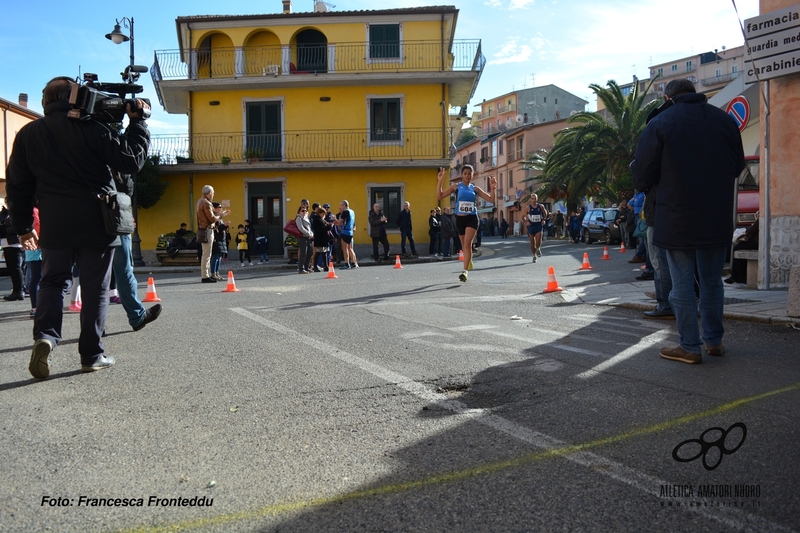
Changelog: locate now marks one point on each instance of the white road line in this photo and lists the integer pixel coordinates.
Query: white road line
(730, 517)
(472, 328)
(639, 347)
(536, 344)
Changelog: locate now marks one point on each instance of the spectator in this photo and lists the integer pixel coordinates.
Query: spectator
(320, 228)
(377, 230)
(435, 247)
(404, 223)
(504, 229)
(449, 232)
(14, 255)
(623, 214)
(747, 241)
(693, 152)
(347, 224)
(262, 248)
(41, 170)
(251, 240)
(242, 245)
(305, 241)
(207, 217)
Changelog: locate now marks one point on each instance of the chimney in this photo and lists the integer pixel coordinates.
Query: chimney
(23, 99)
(287, 7)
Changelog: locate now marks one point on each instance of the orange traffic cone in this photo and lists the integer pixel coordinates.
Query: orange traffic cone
(331, 272)
(397, 262)
(552, 284)
(151, 295)
(605, 257)
(231, 283)
(622, 249)
(585, 265)
(461, 255)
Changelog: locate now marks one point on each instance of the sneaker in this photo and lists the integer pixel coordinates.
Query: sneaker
(715, 350)
(242, 264)
(469, 266)
(534, 258)
(303, 272)
(249, 264)
(317, 269)
(114, 300)
(463, 276)
(208, 280)
(150, 316)
(539, 252)
(102, 361)
(74, 308)
(345, 266)
(14, 296)
(355, 265)
(646, 276)
(659, 313)
(679, 354)
(260, 263)
(40, 359)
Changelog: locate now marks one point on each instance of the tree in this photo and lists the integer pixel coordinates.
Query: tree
(149, 189)
(592, 157)
(465, 135)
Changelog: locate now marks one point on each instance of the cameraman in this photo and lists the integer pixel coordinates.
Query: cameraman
(40, 171)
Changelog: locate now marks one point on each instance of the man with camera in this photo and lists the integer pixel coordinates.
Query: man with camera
(41, 172)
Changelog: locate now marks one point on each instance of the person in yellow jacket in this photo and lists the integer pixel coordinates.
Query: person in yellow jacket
(241, 245)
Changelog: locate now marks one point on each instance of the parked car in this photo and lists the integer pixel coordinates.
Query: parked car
(599, 224)
(747, 200)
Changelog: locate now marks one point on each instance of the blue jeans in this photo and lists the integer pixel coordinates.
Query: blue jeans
(661, 277)
(127, 286)
(709, 263)
(406, 233)
(216, 257)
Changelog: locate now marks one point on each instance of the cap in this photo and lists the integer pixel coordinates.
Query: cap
(326, 206)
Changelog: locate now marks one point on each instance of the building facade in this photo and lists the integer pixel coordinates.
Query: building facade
(709, 71)
(320, 105)
(12, 118)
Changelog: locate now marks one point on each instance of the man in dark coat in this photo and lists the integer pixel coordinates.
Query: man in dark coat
(404, 223)
(693, 152)
(61, 164)
(377, 230)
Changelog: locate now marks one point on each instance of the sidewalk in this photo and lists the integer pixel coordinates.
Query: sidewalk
(741, 303)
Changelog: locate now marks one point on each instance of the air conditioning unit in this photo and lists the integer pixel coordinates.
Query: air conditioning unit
(505, 197)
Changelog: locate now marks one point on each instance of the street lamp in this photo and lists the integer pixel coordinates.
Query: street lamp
(130, 75)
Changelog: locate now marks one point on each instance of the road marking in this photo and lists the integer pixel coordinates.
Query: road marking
(472, 328)
(639, 347)
(553, 448)
(536, 344)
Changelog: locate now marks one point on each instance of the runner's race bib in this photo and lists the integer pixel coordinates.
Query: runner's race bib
(535, 218)
(466, 207)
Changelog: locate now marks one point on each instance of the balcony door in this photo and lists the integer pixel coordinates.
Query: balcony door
(265, 204)
(264, 131)
(312, 52)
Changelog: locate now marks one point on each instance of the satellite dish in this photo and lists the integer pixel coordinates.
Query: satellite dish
(572, 112)
(519, 119)
(509, 124)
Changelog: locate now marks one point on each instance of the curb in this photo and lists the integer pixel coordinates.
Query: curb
(730, 315)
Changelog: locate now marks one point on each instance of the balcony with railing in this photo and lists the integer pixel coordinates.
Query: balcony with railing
(716, 80)
(301, 146)
(339, 58)
(509, 108)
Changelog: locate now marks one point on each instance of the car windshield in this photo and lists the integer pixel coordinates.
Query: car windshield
(748, 179)
(610, 215)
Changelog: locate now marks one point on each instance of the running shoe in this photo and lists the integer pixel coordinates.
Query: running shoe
(534, 258)
(463, 276)
(469, 267)
(115, 300)
(539, 252)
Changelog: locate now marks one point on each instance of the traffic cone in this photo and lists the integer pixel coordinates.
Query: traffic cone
(605, 257)
(461, 255)
(397, 262)
(331, 272)
(231, 283)
(622, 249)
(151, 295)
(552, 284)
(585, 265)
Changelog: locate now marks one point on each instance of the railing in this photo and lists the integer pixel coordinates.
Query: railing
(724, 78)
(299, 146)
(324, 58)
(506, 108)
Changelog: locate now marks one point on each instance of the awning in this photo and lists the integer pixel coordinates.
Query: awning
(509, 204)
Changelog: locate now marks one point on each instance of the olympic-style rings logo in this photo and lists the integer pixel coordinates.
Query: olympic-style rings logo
(706, 446)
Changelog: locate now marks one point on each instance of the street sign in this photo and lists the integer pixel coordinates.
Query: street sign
(773, 45)
(739, 109)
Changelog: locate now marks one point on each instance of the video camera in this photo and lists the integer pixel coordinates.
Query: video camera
(106, 102)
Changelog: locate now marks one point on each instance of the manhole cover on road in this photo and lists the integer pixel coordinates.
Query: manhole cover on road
(503, 280)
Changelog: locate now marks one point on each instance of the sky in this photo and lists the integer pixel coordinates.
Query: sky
(527, 43)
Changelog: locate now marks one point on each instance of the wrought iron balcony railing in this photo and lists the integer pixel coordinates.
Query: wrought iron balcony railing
(336, 58)
(302, 146)
(716, 80)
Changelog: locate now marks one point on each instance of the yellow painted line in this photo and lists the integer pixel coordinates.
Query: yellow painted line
(449, 477)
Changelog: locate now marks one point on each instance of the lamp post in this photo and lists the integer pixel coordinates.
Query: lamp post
(118, 37)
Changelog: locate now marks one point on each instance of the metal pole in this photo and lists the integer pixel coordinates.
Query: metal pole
(136, 241)
(764, 228)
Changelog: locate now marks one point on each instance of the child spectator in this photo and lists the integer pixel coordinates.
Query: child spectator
(262, 248)
(241, 245)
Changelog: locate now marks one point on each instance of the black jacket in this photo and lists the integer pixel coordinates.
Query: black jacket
(693, 152)
(404, 220)
(40, 172)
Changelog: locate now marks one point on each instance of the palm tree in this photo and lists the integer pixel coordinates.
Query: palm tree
(592, 157)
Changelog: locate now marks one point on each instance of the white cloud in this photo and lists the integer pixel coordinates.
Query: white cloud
(512, 52)
(520, 4)
(493, 3)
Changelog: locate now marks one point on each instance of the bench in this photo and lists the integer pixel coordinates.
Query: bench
(751, 256)
(184, 257)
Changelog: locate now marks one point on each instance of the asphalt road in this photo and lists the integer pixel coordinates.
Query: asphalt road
(399, 400)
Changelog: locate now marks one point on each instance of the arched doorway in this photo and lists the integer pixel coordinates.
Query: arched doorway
(312, 51)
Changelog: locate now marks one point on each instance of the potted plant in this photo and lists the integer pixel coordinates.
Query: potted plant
(253, 154)
(226, 160)
(180, 160)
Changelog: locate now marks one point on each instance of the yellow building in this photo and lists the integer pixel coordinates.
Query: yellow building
(321, 105)
(12, 118)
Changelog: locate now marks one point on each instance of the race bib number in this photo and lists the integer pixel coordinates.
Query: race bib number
(466, 207)
(535, 218)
